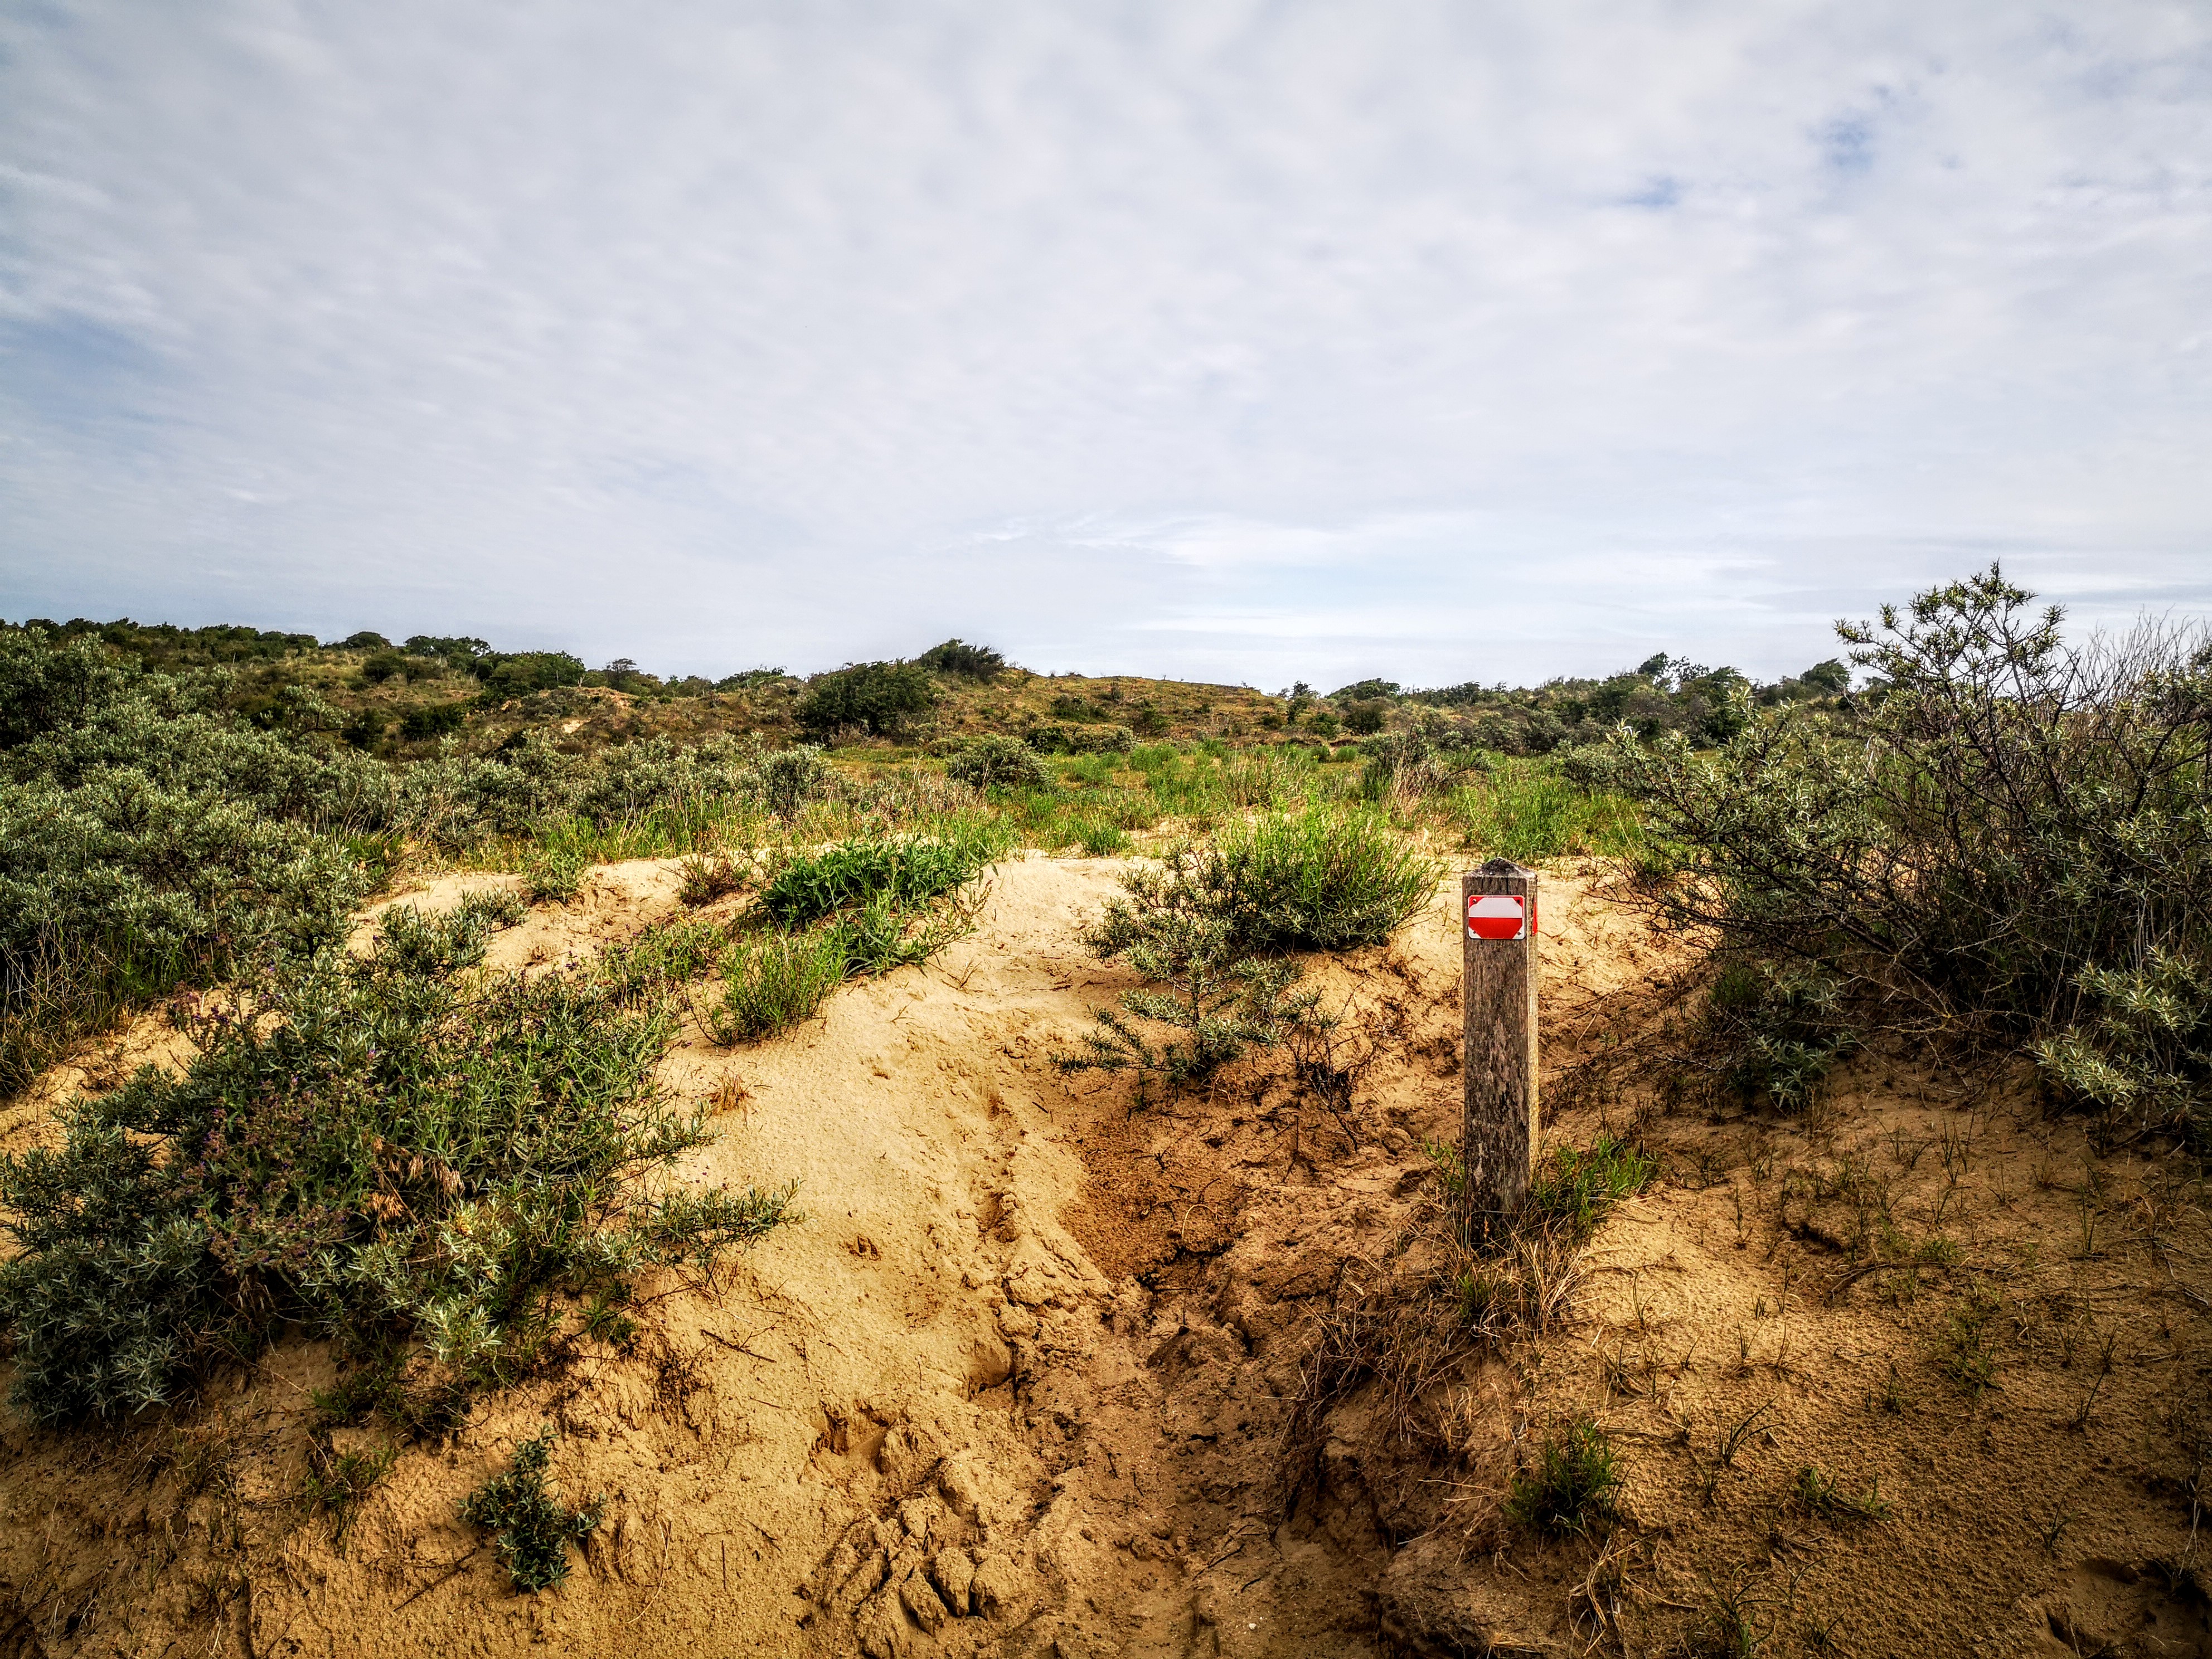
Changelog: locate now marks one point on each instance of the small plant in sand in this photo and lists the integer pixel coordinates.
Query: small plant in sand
(1824, 1495)
(337, 1482)
(1573, 1189)
(771, 981)
(554, 874)
(531, 1528)
(1573, 1487)
(1220, 1002)
(1325, 879)
(863, 905)
(804, 888)
(711, 875)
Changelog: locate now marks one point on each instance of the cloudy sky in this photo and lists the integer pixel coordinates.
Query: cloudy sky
(1433, 338)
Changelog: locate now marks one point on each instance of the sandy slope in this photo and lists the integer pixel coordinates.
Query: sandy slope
(1019, 1385)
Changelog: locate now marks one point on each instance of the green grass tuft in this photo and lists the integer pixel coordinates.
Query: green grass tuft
(1575, 1484)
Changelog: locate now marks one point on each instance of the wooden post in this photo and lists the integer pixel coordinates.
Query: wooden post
(1497, 1143)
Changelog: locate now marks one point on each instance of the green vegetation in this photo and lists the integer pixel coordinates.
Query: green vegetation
(1571, 1191)
(1575, 1484)
(531, 1528)
(772, 981)
(906, 870)
(975, 662)
(2007, 840)
(1318, 880)
(1824, 1495)
(1529, 812)
(867, 697)
(400, 1148)
(1222, 1002)
(999, 761)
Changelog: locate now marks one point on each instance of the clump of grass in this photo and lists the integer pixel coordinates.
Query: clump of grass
(531, 1528)
(1101, 837)
(1824, 1495)
(1574, 1189)
(708, 876)
(337, 1482)
(1967, 1352)
(1574, 1486)
(772, 981)
(806, 887)
(1529, 811)
(401, 1147)
(553, 873)
(1326, 879)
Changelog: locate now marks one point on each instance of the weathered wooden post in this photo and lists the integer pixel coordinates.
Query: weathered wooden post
(1497, 1142)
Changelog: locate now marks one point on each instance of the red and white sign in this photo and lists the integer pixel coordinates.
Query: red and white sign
(1497, 916)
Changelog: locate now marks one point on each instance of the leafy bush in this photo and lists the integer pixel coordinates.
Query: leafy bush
(518, 673)
(1364, 718)
(383, 665)
(554, 874)
(1781, 1027)
(2009, 838)
(1001, 760)
(1575, 1485)
(433, 720)
(394, 1147)
(146, 836)
(870, 696)
(789, 778)
(905, 870)
(976, 662)
(1323, 879)
(531, 1529)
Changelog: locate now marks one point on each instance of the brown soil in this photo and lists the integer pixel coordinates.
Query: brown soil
(1024, 1380)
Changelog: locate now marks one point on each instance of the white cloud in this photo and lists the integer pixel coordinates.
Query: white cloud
(1249, 340)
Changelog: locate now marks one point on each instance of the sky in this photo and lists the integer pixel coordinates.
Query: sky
(1235, 341)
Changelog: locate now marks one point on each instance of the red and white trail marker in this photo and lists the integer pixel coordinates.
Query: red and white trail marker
(1497, 916)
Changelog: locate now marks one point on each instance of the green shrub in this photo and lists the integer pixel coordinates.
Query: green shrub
(788, 779)
(869, 697)
(772, 982)
(975, 662)
(1001, 761)
(517, 674)
(1365, 718)
(147, 837)
(1101, 838)
(1781, 1028)
(395, 1146)
(1324, 879)
(1575, 1485)
(805, 887)
(1994, 841)
(531, 1529)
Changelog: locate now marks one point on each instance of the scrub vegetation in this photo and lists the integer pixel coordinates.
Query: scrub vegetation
(1967, 841)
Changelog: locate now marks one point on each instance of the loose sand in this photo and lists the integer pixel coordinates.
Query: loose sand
(1019, 1384)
